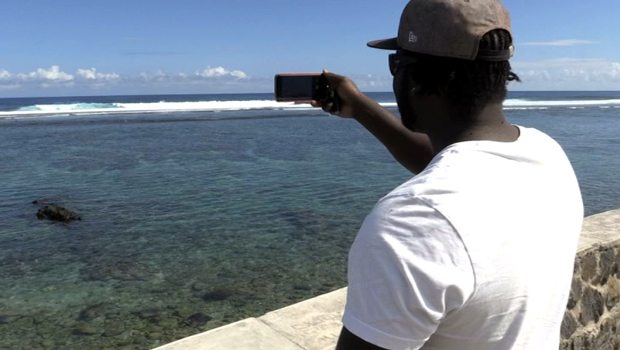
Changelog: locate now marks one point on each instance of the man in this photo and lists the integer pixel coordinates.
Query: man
(475, 252)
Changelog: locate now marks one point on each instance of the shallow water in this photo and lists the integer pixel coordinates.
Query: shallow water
(172, 212)
(189, 223)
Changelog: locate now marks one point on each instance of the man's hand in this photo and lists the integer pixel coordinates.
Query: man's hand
(411, 149)
(350, 96)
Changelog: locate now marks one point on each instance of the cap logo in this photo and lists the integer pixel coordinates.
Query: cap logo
(412, 37)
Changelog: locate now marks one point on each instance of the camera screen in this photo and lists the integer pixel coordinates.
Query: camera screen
(297, 87)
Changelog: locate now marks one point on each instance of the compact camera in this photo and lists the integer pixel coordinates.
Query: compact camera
(306, 87)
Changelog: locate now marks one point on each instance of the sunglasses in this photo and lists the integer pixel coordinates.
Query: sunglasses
(398, 61)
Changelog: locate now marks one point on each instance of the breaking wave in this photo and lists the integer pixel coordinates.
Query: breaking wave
(530, 104)
(121, 108)
(214, 106)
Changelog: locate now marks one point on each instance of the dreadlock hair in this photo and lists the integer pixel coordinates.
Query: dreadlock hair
(469, 85)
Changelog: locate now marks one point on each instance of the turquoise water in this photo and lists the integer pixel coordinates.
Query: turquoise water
(240, 206)
(194, 220)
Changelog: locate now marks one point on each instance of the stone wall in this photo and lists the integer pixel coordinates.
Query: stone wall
(592, 319)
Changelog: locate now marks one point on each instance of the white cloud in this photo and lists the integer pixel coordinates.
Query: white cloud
(565, 73)
(566, 42)
(91, 74)
(369, 82)
(53, 74)
(40, 78)
(90, 78)
(562, 62)
(239, 74)
(213, 72)
(615, 70)
(569, 74)
(573, 67)
(218, 72)
(4, 74)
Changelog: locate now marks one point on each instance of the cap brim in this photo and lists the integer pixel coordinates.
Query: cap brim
(385, 44)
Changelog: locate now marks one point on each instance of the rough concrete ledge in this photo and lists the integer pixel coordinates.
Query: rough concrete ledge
(313, 324)
(249, 334)
(600, 229)
(591, 322)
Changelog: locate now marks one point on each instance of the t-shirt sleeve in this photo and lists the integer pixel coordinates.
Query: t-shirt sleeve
(408, 269)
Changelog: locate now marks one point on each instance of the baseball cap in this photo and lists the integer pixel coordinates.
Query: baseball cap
(449, 28)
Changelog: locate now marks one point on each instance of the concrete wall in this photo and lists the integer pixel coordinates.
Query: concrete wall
(591, 322)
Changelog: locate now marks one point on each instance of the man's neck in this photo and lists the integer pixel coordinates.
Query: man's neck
(489, 125)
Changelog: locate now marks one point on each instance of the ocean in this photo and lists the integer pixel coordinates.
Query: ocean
(201, 210)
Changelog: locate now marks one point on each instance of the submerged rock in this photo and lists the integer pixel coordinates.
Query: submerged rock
(86, 329)
(198, 286)
(182, 312)
(57, 213)
(112, 331)
(154, 335)
(10, 318)
(167, 323)
(218, 295)
(123, 270)
(197, 320)
(148, 314)
(47, 343)
(92, 311)
(303, 287)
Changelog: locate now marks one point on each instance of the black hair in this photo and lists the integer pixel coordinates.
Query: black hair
(469, 85)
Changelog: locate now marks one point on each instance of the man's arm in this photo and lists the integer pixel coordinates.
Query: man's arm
(350, 341)
(412, 150)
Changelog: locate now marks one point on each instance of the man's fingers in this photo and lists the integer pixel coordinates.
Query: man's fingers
(333, 79)
(326, 106)
(332, 75)
(320, 104)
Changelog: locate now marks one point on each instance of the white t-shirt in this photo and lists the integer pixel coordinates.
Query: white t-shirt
(474, 253)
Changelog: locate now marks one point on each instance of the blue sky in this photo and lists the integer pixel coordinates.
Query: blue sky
(70, 47)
